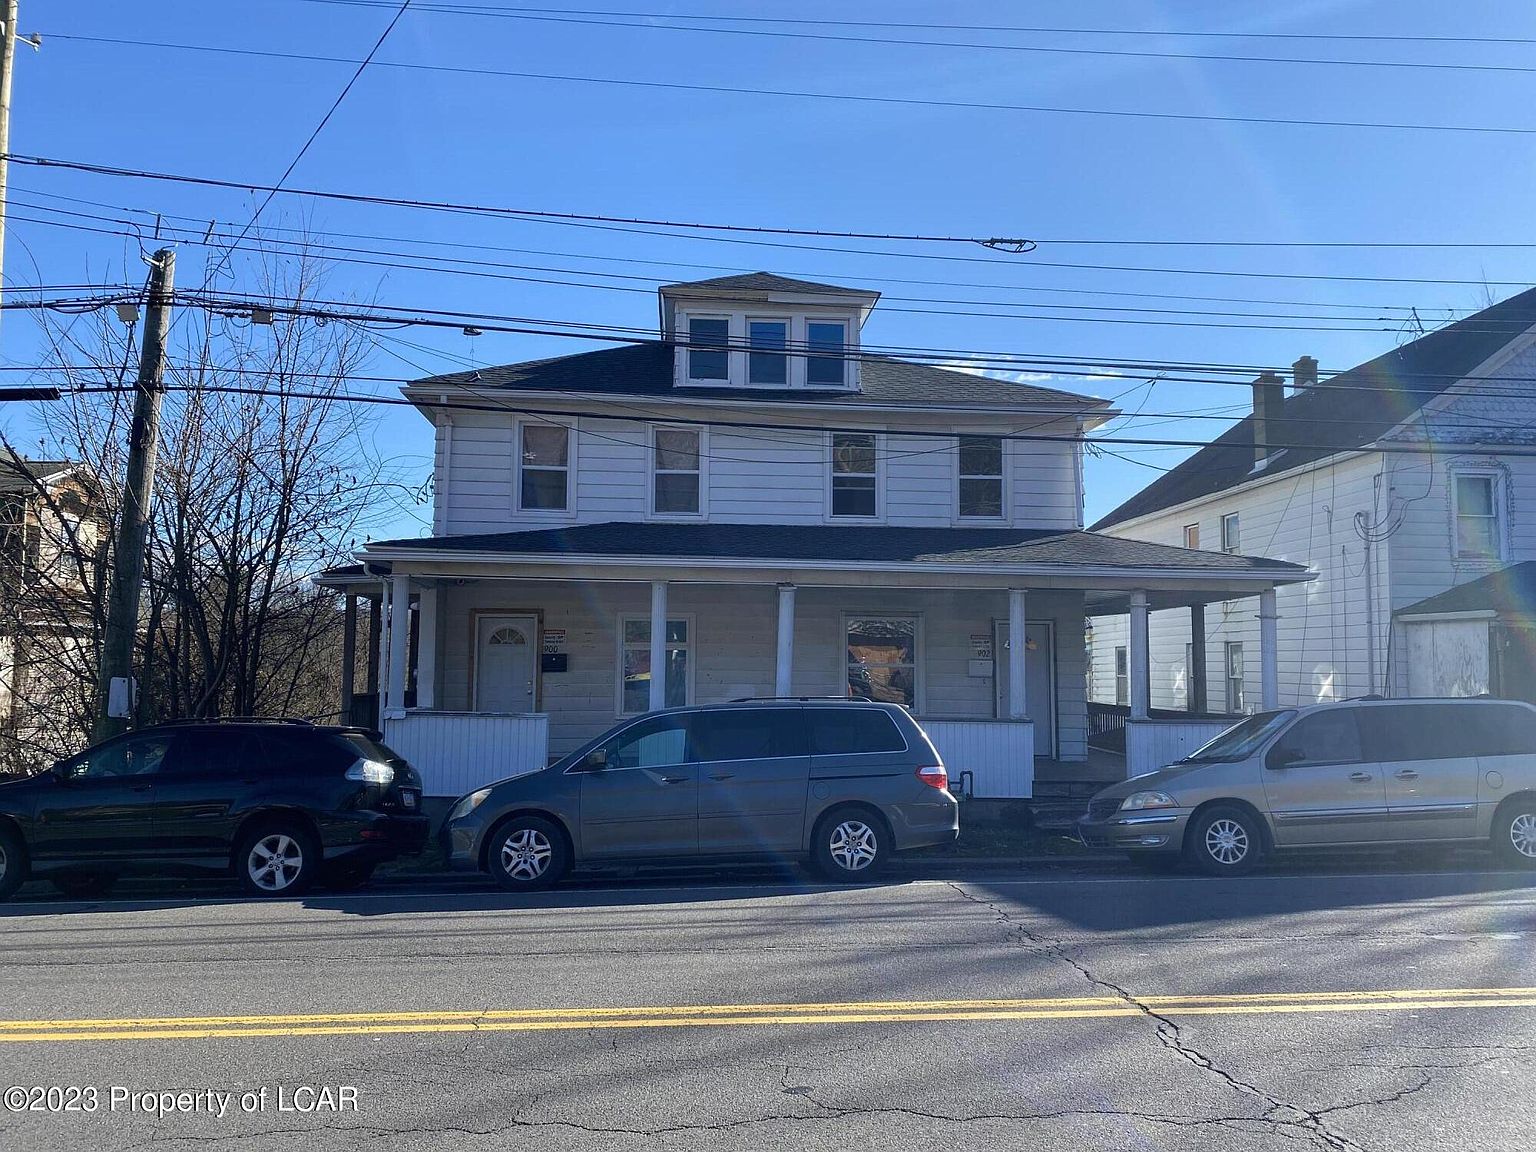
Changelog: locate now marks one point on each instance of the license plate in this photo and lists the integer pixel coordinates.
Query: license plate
(408, 799)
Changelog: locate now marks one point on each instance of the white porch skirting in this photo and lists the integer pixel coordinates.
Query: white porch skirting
(457, 752)
(1151, 744)
(999, 754)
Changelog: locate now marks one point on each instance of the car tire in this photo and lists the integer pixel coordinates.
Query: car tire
(13, 862)
(279, 858)
(348, 877)
(83, 885)
(850, 845)
(1225, 841)
(527, 853)
(1514, 833)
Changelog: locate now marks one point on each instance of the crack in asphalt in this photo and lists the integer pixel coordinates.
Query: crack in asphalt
(1280, 1113)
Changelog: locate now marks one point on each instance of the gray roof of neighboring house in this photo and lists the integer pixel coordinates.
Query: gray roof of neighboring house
(1351, 410)
(20, 474)
(766, 282)
(646, 370)
(1511, 592)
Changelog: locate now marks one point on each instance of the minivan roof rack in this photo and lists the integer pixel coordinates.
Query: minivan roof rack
(770, 699)
(295, 720)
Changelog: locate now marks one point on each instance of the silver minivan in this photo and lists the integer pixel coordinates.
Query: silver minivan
(1359, 773)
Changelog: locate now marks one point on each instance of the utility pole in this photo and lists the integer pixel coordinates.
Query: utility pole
(7, 61)
(127, 575)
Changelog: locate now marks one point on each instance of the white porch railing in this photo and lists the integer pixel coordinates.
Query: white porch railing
(457, 752)
(999, 754)
(1151, 744)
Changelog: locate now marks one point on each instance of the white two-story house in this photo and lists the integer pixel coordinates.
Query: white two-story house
(752, 505)
(1404, 484)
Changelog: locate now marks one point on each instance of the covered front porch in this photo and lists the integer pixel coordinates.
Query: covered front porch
(490, 662)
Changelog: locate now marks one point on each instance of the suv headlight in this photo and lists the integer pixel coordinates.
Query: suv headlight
(371, 772)
(467, 804)
(1137, 801)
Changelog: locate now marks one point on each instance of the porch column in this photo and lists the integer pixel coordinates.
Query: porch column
(1198, 682)
(658, 644)
(1017, 685)
(1269, 667)
(426, 648)
(399, 639)
(371, 683)
(1141, 669)
(348, 656)
(783, 681)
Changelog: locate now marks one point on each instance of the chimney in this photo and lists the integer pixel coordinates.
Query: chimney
(1268, 396)
(1304, 372)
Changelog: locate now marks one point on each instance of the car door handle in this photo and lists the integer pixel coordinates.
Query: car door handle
(139, 787)
(674, 779)
(1361, 777)
(1407, 774)
(722, 775)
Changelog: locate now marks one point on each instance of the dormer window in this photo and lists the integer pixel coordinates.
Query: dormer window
(826, 344)
(767, 366)
(709, 339)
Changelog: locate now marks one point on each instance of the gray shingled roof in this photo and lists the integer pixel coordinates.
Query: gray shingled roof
(646, 370)
(851, 544)
(766, 282)
(1511, 592)
(19, 474)
(1355, 408)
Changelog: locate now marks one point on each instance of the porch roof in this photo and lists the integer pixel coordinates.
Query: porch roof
(1509, 593)
(755, 552)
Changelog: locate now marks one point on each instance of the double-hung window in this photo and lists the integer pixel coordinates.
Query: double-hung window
(767, 365)
(1231, 534)
(1477, 516)
(675, 472)
(634, 687)
(981, 477)
(1122, 677)
(855, 480)
(545, 467)
(826, 345)
(1234, 671)
(882, 658)
(1191, 535)
(709, 340)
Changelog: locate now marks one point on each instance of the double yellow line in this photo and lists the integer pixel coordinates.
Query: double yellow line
(735, 1015)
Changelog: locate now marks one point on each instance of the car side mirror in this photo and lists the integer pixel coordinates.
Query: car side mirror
(595, 760)
(60, 770)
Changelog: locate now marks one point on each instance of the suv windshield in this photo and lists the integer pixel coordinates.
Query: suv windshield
(1241, 740)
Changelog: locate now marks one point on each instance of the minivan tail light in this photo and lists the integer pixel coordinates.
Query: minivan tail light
(934, 775)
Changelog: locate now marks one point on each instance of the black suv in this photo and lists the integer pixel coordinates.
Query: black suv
(281, 804)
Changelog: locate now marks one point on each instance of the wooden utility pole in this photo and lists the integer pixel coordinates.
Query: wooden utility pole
(7, 61)
(127, 574)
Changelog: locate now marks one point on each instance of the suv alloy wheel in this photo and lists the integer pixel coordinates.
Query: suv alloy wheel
(851, 845)
(277, 859)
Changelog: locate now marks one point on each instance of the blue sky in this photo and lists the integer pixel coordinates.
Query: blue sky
(844, 166)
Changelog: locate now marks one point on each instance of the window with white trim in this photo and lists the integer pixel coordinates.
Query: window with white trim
(980, 461)
(634, 687)
(709, 339)
(855, 478)
(1234, 671)
(1192, 535)
(1231, 534)
(676, 476)
(544, 460)
(1122, 676)
(882, 658)
(826, 345)
(1476, 510)
(767, 364)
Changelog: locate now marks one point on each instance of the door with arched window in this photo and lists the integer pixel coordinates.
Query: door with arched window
(506, 664)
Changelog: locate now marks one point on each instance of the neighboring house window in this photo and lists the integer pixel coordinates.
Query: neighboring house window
(768, 367)
(855, 487)
(635, 663)
(1191, 535)
(1189, 674)
(1235, 702)
(981, 477)
(1231, 534)
(882, 658)
(708, 344)
(1477, 517)
(826, 347)
(544, 485)
(1122, 676)
(675, 472)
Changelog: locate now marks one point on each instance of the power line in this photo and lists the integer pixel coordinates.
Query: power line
(851, 97)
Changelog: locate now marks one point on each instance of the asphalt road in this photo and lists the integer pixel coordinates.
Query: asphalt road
(1074, 1010)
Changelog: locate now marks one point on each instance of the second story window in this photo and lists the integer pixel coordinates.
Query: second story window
(709, 357)
(855, 487)
(544, 483)
(675, 474)
(1191, 535)
(826, 345)
(981, 477)
(1231, 534)
(1477, 516)
(766, 362)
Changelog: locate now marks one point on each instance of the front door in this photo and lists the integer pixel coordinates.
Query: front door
(1039, 680)
(506, 664)
(1322, 787)
(100, 804)
(753, 773)
(1428, 758)
(639, 793)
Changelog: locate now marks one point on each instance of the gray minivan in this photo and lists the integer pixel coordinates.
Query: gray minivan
(842, 782)
(1359, 773)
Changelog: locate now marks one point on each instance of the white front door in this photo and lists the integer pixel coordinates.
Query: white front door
(506, 663)
(1039, 680)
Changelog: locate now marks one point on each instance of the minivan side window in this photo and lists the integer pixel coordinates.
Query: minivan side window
(1330, 737)
(1512, 732)
(745, 734)
(653, 743)
(841, 731)
(1394, 734)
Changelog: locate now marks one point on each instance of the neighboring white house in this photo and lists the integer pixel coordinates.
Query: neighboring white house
(752, 505)
(1392, 482)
